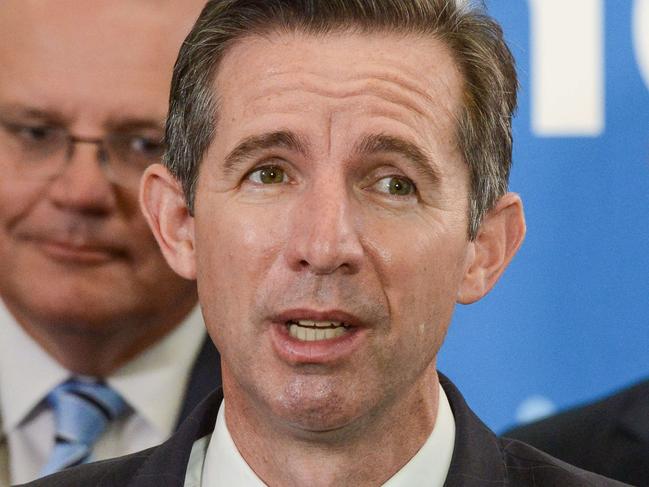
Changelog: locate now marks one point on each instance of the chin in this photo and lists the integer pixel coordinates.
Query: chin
(58, 305)
(80, 319)
(315, 406)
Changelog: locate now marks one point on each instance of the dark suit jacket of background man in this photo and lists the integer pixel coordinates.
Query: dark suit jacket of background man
(205, 376)
(610, 436)
(479, 458)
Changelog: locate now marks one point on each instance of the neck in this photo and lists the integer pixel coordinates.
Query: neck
(368, 452)
(98, 349)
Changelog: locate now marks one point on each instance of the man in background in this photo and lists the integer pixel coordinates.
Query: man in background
(102, 346)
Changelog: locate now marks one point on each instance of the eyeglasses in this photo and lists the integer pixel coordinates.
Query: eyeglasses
(41, 152)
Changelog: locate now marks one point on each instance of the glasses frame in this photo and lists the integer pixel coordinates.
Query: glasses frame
(63, 150)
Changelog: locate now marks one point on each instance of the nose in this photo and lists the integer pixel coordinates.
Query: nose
(324, 236)
(82, 186)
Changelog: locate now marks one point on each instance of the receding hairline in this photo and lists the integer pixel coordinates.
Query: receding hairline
(267, 32)
(275, 28)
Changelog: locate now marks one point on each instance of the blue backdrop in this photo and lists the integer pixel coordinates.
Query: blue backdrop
(568, 320)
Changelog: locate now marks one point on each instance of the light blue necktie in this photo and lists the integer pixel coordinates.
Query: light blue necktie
(82, 410)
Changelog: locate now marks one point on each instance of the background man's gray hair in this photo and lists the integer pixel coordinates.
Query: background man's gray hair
(474, 39)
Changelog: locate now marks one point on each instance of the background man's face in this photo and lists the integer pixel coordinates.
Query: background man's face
(344, 201)
(75, 249)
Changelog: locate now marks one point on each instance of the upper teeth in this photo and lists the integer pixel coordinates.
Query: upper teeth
(317, 324)
(309, 330)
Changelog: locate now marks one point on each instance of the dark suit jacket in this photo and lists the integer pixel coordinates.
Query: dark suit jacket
(204, 378)
(610, 436)
(480, 459)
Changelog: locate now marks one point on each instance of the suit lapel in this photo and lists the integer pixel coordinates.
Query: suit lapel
(167, 463)
(204, 378)
(477, 457)
(4, 458)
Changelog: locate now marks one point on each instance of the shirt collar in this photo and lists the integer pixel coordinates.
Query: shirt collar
(430, 464)
(153, 383)
(224, 465)
(27, 372)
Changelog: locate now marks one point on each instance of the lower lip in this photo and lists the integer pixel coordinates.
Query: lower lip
(296, 351)
(75, 255)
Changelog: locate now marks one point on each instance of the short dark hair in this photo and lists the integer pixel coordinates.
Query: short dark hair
(474, 39)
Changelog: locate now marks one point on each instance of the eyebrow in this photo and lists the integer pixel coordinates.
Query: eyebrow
(246, 149)
(135, 125)
(127, 124)
(386, 144)
(34, 113)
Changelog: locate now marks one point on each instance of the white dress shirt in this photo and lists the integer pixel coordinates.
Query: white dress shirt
(153, 384)
(215, 461)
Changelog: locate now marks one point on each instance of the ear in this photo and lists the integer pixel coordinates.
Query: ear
(500, 235)
(163, 203)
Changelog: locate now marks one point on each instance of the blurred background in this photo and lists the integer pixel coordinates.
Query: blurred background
(569, 321)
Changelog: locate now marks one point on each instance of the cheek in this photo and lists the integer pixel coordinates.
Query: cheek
(420, 273)
(234, 251)
(16, 199)
(234, 254)
(242, 242)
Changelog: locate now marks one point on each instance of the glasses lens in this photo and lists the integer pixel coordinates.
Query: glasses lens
(130, 154)
(32, 151)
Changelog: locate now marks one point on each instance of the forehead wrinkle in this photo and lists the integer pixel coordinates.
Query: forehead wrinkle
(392, 111)
(383, 86)
(407, 93)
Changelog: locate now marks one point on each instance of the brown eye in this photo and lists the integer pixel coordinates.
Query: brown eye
(268, 175)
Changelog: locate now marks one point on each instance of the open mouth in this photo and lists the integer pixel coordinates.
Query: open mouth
(311, 331)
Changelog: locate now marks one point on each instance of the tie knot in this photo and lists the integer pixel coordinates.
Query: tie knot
(87, 397)
(82, 410)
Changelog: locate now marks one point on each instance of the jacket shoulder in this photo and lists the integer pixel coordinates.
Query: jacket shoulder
(526, 465)
(107, 473)
(572, 434)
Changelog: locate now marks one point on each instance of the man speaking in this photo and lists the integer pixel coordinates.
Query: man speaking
(336, 181)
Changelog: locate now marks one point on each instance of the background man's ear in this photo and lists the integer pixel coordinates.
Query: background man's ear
(499, 237)
(163, 204)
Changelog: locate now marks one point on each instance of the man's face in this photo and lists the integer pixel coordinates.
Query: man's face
(333, 195)
(74, 249)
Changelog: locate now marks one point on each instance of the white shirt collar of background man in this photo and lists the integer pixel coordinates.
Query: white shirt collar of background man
(28, 373)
